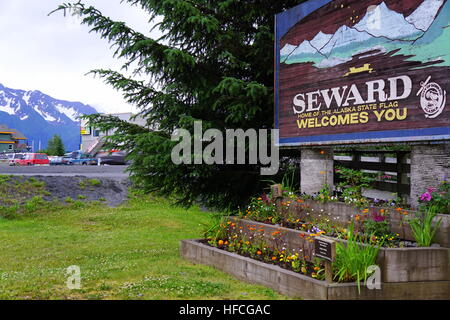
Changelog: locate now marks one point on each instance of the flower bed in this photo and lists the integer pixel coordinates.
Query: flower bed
(371, 225)
(300, 286)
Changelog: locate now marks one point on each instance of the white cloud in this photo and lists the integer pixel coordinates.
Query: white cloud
(53, 53)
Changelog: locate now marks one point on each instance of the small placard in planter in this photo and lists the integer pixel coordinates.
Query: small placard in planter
(276, 191)
(325, 249)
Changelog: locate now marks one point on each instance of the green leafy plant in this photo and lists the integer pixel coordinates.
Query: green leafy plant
(352, 184)
(353, 259)
(262, 209)
(289, 184)
(216, 229)
(422, 226)
(324, 194)
(377, 228)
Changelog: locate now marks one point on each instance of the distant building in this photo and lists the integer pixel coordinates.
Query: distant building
(92, 138)
(11, 140)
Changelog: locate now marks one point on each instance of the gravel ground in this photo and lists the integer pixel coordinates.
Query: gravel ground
(86, 183)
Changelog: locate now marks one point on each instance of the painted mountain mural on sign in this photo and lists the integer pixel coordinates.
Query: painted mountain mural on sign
(380, 28)
(39, 116)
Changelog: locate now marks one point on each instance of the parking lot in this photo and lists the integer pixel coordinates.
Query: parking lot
(66, 171)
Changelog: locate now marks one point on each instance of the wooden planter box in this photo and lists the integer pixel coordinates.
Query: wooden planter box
(345, 213)
(300, 286)
(396, 264)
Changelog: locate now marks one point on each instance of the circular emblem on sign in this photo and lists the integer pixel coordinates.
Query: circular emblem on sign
(432, 98)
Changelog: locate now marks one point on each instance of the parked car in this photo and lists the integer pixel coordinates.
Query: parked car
(34, 159)
(112, 158)
(4, 159)
(78, 157)
(57, 161)
(14, 157)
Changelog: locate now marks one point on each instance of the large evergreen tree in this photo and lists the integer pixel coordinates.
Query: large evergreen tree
(214, 64)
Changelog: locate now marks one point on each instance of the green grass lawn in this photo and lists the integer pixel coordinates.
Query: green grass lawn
(129, 252)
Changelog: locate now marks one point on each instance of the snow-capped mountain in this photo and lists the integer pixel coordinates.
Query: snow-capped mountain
(425, 14)
(320, 40)
(304, 48)
(343, 37)
(287, 50)
(383, 22)
(39, 116)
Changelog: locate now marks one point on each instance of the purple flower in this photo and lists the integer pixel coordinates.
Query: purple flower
(431, 190)
(426, 197)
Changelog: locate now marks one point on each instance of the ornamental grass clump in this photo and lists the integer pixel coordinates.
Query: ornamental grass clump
(353, 259)
(422, 226)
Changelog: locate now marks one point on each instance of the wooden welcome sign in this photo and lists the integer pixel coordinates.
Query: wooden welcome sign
(356, 71)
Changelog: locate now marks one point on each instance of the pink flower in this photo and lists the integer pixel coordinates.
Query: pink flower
(431, 190)
(426, 197)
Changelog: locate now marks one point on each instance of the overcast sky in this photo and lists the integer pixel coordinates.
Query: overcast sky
(53, 53)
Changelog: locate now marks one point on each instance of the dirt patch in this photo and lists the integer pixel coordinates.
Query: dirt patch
(112, 191)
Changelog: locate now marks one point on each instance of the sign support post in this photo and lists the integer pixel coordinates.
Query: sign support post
(326, 249)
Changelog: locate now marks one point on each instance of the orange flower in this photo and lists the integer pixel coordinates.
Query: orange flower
(405, 213)
(399, 209)
(382, 211)
(274, 258)
(357, 217)
(365, 210)
(259, 252)
(220, 242)
(316, 268)
(226, 243)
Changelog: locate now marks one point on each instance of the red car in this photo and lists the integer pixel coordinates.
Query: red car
(31, 159)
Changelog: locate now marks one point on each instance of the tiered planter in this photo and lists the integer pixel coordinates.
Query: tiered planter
(406, 273)
(300, 286)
